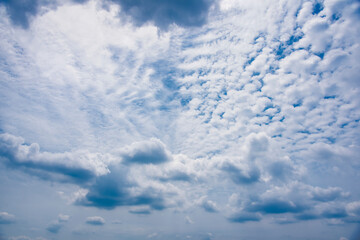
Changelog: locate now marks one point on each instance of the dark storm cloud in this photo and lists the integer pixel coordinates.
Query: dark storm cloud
(162, 13)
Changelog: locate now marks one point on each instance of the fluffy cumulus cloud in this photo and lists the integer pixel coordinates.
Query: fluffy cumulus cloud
(204, 111)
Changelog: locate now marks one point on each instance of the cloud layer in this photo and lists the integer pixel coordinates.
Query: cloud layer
(238, 113)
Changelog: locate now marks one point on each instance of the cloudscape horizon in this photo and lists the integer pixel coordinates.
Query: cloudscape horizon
(179, 119)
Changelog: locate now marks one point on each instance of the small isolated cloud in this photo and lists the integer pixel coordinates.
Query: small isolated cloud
(242, 217)
(56, 225)
(140, 210)
(6, 218)
(63, 218)
(188, 220)
(152, 235)
(96, 220)
(207, 205)
(146, 152)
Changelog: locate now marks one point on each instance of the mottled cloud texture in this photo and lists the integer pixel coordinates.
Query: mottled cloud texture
(179, 119)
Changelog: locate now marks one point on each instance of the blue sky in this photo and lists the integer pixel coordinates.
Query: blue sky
(159, 119)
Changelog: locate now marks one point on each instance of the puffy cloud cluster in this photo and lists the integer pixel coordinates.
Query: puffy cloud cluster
(296, 201)
(108, 181)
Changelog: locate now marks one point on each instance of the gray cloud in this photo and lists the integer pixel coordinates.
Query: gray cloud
(242, 217)
(307, 216)
(140, 210)
(114, 189)
(328, 194)
(6, 218)
(108, 186)
(62, 167)
(240, 176)
(96, 220)
(336, 212)
(146, 152)
(209, 206)
(54, 227)
(163, 13)
(276, 206)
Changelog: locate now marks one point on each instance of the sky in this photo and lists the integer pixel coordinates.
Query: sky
(179, 119)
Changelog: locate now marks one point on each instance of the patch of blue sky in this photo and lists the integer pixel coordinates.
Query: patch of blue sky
(317, 8)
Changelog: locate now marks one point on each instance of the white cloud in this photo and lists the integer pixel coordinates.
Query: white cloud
(253, 105)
